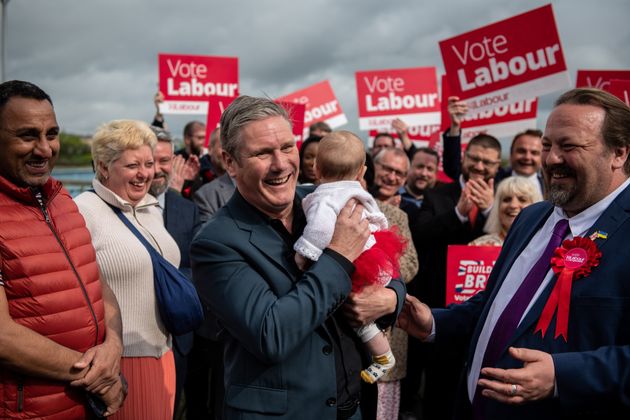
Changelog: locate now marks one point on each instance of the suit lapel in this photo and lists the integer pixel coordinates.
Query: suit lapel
(514, 246)
(261, 234)
(609, 221)
(265, 239)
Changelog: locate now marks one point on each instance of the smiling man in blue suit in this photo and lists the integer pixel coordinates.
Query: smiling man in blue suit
(537, 348)
(289, 353)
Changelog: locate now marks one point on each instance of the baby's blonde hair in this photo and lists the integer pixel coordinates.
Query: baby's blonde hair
(341, 155)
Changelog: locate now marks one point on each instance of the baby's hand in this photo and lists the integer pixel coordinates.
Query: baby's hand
(301, 262)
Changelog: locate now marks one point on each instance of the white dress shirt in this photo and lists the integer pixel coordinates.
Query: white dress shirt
(161, 202)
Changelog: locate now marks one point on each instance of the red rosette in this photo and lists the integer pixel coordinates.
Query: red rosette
(592, 252)
(573, 260)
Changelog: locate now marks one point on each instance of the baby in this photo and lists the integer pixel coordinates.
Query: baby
(339, 166)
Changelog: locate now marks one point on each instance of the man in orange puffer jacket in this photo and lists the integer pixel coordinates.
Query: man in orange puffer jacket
(61, 343)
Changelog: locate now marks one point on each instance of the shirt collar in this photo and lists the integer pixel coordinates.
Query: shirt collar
(161, 199)
(583, 221)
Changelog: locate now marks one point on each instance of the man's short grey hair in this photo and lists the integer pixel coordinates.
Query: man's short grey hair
(242, 111)
(393, 150)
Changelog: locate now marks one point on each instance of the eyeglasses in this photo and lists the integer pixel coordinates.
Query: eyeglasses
(485, 162)
(398, 174)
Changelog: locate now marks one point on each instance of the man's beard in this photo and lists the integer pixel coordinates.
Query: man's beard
(156, 189)
(413, 187)
(557, 194)
(195, 150)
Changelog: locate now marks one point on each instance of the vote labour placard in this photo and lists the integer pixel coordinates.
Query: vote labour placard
(507, 61)
(321, 105)
(502, 121)
(187, 81)
(621, 89)
(296, 114)
(216, 105)
(421, 135)
(599, 79)
(467, 270)
(409, 94)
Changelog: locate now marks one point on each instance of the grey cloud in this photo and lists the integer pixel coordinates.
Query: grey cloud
(98, 59)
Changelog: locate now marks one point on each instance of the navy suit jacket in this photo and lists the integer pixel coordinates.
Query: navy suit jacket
(181, 219)
(592, 368)
(434, 227)
(277, 348)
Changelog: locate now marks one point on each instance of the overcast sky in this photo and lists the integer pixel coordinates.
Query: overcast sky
(98, 59)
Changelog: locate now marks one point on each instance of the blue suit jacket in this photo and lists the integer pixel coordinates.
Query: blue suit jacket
(434, 227)
(181, 220)
(277, 349)
(593, 367)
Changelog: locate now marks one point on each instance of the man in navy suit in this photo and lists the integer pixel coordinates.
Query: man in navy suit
(450, 214)
(454, 214)
(576, 370)
(289, 352)
(182, 221)
(525, 150)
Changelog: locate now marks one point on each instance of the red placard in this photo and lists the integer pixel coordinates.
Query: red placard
(321, 105)
(410, 94)
(599, 79)
(188, 81)
(421, 136)
(502, 121)
(507, 61)
(296, 114)
(467, 270)
(621, 89)
(216, 105)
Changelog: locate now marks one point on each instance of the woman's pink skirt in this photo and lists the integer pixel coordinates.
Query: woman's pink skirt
(151, 388)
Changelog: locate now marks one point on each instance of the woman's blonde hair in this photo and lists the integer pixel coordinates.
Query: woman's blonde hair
(113, 138)
(514, 185)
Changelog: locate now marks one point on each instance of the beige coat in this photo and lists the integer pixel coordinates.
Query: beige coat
(408, 269)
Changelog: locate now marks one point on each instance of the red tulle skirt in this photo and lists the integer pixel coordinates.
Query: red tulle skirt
(379, 264)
